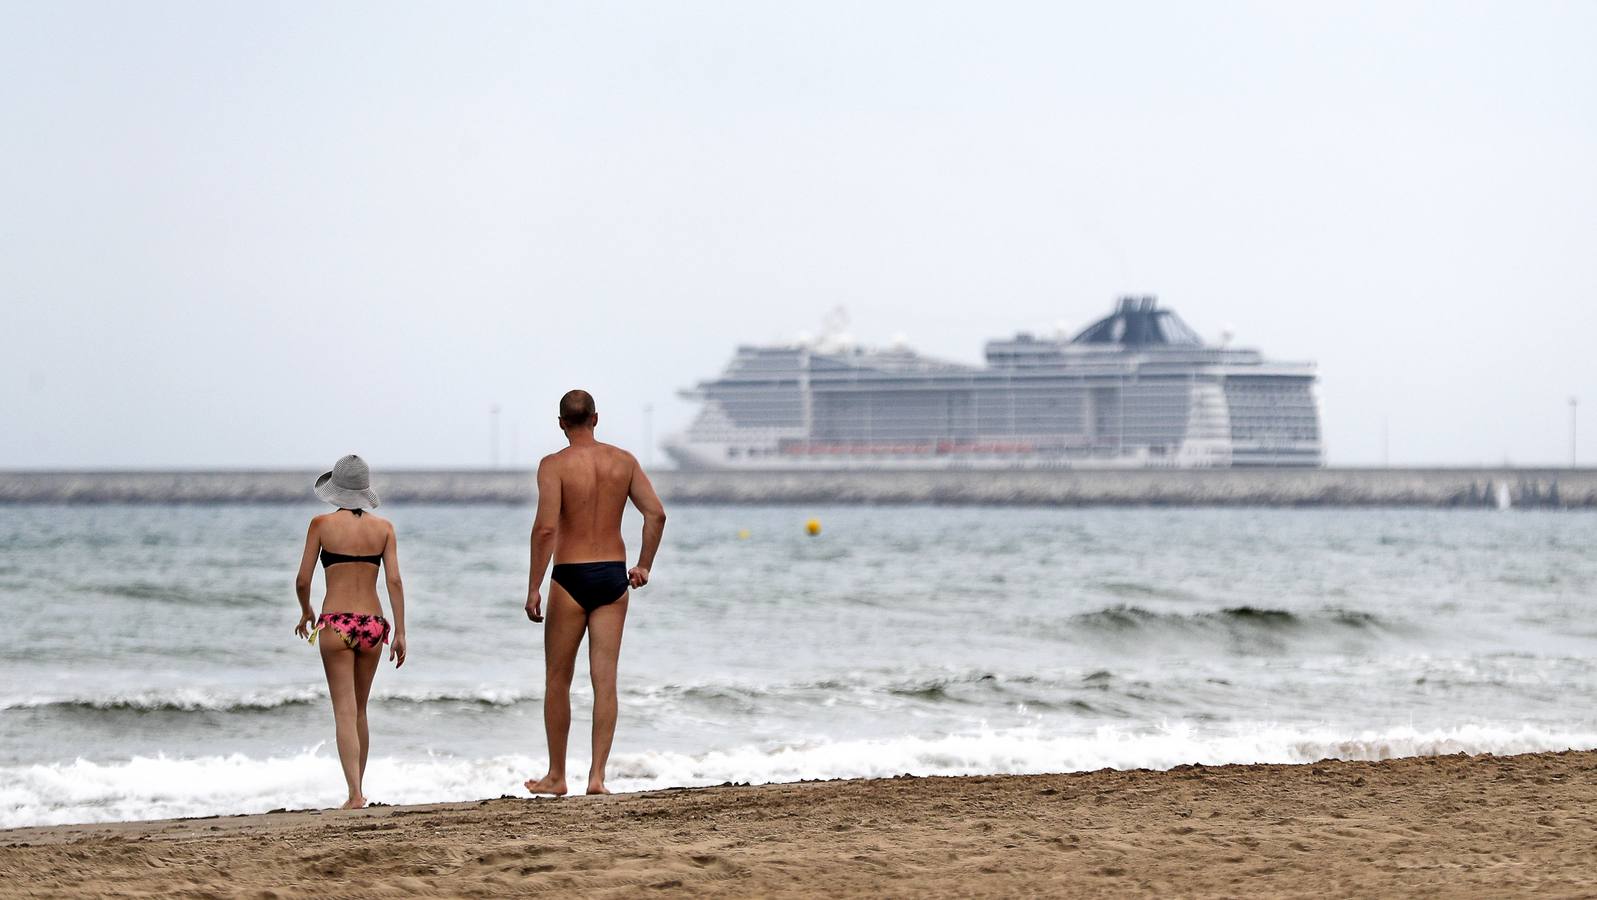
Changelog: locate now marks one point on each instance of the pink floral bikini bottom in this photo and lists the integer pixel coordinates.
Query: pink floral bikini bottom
(357, 629)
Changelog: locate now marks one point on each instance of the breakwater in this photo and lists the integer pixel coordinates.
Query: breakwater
(1487, 487)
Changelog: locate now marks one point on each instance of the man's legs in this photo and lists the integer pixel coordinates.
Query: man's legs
(604, 651)
(562, 635)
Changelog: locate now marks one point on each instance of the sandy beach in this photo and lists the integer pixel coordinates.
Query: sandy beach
(1444, 826)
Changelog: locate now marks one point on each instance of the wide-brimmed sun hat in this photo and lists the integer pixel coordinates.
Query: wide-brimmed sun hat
(349, 485)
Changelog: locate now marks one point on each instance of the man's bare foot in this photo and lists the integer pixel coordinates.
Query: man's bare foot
(354, 803)
(597, 787)
(548, 784)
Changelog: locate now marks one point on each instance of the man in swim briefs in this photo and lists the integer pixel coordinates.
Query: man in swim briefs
(582, 491)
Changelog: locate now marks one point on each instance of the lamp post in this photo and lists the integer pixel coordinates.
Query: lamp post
(493, 436)
(648, 434)
(1574, 407)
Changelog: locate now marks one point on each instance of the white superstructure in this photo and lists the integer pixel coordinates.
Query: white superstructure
(1137, 388)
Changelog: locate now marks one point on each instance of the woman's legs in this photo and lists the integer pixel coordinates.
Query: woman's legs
(339, 662)
(366, 663)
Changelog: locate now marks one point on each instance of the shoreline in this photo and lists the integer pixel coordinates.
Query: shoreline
(1448, 825)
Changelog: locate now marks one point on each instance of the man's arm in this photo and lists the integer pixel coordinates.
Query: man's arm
(545, 529)
(648, 503)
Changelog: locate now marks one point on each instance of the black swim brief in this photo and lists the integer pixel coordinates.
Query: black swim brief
(592, 584)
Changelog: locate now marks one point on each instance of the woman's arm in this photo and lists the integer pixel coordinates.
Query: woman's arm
(302, 581)
(396, 597)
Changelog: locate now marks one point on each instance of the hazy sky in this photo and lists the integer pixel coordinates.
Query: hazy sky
(270, 234)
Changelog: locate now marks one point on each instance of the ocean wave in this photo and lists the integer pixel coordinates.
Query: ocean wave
(1262, 619)
(934, 686)
(189, 700)
(1139, 589)
(1115, 690)
(175, 593)
(163, 787)
(726, 694)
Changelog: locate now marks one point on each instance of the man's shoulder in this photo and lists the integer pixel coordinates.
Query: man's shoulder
(559, 460)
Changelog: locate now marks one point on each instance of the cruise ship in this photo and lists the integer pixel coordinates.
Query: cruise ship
(1135, 389)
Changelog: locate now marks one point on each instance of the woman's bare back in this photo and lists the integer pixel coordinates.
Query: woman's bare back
(352, 587)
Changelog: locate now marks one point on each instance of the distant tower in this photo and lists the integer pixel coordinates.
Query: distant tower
(493, 436)
(1574, 406)
(648, 434)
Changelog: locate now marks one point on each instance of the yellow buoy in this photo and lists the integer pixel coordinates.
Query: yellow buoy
(813, 527)
(743, 534)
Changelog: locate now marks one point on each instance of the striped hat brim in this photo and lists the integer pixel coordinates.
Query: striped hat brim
(345, 498)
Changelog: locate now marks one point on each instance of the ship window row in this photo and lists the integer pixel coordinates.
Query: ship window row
(868, 418)
(763, 364)
(1149, 413)
(1275, 431)
(760, 406)
(1271, 412)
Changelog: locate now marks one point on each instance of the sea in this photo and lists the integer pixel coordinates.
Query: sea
(149, 667)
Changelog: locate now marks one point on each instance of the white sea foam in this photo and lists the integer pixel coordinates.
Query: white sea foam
(160, 787)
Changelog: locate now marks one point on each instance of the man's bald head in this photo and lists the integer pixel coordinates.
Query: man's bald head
(577, 409)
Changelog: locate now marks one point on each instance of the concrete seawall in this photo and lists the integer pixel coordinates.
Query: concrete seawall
(1475, 487)
(1490, 488)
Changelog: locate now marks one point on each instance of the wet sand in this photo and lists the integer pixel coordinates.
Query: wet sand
(1445, 826)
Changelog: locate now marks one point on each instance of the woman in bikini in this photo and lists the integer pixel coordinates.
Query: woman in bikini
(352, 544)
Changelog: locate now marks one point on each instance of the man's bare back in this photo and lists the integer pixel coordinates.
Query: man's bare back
(593, 482)
(582, 492)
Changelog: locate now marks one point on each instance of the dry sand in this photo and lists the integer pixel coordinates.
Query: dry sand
(1449, 826)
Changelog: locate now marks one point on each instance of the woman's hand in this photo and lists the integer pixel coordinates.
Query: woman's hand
(396, 650)
(307, 620)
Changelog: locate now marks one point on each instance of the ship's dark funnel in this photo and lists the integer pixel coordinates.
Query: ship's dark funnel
(1137, 322)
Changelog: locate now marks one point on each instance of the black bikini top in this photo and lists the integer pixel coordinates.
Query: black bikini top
(329, 558)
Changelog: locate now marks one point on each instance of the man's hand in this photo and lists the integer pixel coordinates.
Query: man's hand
(534, 605)
(638, 576)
